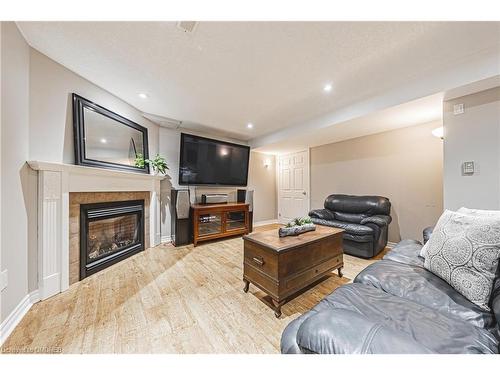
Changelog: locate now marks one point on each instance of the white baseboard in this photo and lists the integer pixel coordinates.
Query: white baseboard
(8, 325)
(265, 222)
(166, 239)
(390, 245)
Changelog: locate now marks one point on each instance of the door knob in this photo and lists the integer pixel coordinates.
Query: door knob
(303, 193)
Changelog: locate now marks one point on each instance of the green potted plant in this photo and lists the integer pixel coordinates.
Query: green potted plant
(158, 164)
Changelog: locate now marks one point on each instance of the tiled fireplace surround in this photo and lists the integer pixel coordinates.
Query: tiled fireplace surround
(75, 200)
(61, 190)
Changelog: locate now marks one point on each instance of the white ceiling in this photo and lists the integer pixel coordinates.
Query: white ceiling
(416, 112)
(227, 74)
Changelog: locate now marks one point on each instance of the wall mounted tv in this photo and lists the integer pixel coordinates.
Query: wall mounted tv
(205, 161)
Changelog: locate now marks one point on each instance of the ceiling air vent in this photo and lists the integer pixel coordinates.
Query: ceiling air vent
(187, 26)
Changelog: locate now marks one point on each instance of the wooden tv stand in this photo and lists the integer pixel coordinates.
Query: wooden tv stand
(211, 221)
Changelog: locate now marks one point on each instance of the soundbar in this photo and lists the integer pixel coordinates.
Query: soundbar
(214, 198)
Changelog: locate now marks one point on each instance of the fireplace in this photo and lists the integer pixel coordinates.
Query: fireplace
(109, 233)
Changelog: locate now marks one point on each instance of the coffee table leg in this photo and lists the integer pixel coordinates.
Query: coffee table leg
(340, 272)
(277, 308)
(247, 284)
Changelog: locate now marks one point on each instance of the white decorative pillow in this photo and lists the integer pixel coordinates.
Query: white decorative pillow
(476, 212)
(464, 251)
(466, 211)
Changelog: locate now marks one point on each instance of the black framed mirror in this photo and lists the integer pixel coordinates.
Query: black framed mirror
(105, 139)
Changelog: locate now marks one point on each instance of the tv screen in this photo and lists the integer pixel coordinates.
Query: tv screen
(205, 161)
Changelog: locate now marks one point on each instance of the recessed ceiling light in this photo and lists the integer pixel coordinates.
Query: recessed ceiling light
(250, 125)
(104, 140)
(328, 87)
(143, 95)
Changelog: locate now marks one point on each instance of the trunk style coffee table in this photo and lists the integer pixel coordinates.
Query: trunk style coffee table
(283, 267)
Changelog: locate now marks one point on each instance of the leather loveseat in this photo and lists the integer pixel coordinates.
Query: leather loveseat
(396, 306)
(365, 220)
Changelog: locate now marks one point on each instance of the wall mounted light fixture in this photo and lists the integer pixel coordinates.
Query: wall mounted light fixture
(438, 132)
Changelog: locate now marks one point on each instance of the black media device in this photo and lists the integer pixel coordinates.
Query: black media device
(180, 207)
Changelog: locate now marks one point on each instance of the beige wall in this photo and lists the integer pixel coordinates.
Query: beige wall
(51, 123)
(15, 133)
(473, 136)
(262, 179)
(404, 165)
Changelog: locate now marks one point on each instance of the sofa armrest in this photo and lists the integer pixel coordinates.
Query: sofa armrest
(380, 220)
(427, 233)
(322, 213)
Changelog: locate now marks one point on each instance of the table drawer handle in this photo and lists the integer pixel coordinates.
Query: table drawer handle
(258, 260)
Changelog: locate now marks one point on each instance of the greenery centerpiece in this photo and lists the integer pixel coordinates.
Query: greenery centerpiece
(297, 226)
(158, 164)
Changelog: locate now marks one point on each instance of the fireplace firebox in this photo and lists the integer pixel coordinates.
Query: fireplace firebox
(109, 233)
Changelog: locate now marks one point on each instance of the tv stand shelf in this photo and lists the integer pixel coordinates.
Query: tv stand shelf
(211, 221)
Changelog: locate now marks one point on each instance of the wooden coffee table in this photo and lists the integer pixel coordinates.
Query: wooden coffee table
(283, 267)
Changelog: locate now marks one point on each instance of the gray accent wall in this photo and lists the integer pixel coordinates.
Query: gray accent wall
(404, 165)
(15, 172)
(473, 136)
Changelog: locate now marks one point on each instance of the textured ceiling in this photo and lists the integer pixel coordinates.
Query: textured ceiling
(227, 74)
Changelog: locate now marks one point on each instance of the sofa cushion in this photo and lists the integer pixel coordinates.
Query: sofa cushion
(464, 250)
(354, 204)
(406, 251)
(351, 228)
(438, 332)
(350, 217)
(340, 331)
(421, 286)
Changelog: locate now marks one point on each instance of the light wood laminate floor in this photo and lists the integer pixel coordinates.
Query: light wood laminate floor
(167, 300)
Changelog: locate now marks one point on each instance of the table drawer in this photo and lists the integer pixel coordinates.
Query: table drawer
(263, 281)
(264, 260)
(304, 278)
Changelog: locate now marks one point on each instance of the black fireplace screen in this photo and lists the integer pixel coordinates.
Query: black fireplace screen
(110, 232)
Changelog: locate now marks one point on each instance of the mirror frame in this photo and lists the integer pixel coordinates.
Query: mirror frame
(79, 104)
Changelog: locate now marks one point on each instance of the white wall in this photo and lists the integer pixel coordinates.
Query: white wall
(15, 152)
(473, 136)
(51, 122)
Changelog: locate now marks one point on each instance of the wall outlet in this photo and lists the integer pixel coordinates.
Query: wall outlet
(458, 109)
(4, 279)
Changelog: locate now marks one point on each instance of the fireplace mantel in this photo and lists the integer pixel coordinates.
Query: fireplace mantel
(55, 182)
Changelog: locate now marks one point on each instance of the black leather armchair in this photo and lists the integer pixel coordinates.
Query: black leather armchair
(365, 220)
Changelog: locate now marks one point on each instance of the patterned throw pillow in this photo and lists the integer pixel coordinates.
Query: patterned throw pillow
(476, 212)
(466, 211)
(464, 250)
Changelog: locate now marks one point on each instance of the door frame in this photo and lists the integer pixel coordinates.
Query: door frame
(278, 182)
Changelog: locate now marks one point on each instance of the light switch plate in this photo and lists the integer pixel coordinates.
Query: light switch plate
(4, 279)
(458, 109)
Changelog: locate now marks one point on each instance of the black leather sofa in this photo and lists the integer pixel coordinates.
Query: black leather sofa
(365, 220)
(396, 306)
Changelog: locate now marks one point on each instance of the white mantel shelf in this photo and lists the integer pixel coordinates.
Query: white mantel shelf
(89, 171)
(55, 182)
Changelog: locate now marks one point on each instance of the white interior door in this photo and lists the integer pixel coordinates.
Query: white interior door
(293, 186)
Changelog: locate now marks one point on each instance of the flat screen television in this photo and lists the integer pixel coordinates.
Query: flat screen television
(205, 161)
